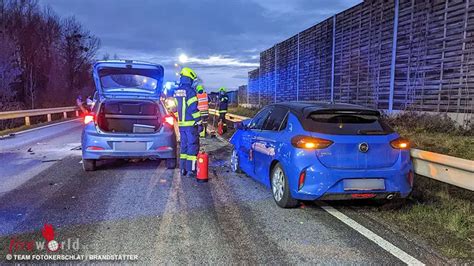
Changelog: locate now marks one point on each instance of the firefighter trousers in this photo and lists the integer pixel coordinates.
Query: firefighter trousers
(189, 147)
(204, 119)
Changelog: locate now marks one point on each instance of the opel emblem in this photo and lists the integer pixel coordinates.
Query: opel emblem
(363, 147)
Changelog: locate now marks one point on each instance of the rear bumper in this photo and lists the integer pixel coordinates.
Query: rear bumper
(160, 145)
(326, 183)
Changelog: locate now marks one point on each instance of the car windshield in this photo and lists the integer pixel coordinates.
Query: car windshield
(128, 82)
(346, 123)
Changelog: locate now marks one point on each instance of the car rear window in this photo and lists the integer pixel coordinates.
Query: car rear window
(126, 81)
(129, 80)
(346, 123)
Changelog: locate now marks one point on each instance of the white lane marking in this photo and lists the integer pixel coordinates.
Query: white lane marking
(51, 125)
(395, 251)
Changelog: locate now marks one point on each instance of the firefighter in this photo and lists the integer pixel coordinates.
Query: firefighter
(223, 102)
(203, 106)
(189, 121)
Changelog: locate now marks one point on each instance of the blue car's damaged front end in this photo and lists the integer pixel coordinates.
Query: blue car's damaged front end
(327, 152)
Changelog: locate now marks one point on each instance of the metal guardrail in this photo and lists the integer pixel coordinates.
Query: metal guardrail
(444, 168)
(447, 169)
(37, 112)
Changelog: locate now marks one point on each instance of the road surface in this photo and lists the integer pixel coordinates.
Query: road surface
(143, 209)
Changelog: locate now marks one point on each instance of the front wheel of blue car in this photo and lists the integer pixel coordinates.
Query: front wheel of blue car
(280, 188)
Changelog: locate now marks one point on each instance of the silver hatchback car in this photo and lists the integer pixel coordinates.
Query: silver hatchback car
(128, 120)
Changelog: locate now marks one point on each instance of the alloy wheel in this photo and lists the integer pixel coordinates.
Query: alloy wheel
(278, 184)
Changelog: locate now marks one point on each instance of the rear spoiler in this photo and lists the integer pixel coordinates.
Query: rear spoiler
(342, 112)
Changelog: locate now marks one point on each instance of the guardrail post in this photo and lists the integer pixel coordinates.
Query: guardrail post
(65, 114)
(49, 117)
(77, 113)
(27, 121)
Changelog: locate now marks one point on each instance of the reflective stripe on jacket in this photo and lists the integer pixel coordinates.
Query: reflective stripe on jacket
(187, 102)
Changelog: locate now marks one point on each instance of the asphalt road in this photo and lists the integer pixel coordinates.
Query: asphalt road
(142, 208)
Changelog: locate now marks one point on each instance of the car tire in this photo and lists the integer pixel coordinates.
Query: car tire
(171, 163)
(281, 189)
(89, 164)
(235, 162)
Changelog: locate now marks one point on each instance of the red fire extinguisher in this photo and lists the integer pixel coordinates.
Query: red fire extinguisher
(220, 128)
(202, 167)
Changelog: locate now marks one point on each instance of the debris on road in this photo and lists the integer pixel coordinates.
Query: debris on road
(50, 160)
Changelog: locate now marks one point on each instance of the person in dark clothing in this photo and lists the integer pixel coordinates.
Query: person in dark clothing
(189, 121)
(223, 102)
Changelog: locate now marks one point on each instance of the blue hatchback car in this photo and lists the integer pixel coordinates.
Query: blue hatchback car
(325, 151)
(128, 119)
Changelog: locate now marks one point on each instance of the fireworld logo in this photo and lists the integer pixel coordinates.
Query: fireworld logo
(50, 244)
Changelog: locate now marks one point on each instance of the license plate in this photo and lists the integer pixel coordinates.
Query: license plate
(364, 184)
(130, 146)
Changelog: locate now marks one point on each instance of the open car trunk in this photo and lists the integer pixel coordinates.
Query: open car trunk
(129, 116)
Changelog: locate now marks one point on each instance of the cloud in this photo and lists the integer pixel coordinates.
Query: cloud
(221, 61)
(223, 37)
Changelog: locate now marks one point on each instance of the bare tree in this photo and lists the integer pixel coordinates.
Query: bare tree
(9, 70)
(79, 50)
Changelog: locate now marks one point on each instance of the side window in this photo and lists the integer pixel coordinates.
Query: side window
(259, 120)
(276, 118)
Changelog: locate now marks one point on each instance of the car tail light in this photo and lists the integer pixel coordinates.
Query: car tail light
(88, 119)
(400, 143)
(410, 178)
(310, 143)
(95, 148)
(301, 179)
(169, 120)
(164, 148)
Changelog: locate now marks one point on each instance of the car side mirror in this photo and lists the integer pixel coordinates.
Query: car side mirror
(244, 124)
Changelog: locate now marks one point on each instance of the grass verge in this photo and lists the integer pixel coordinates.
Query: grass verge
(444, 143)
(439, 213)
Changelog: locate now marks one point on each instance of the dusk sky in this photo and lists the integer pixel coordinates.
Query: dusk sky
(222, 39)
